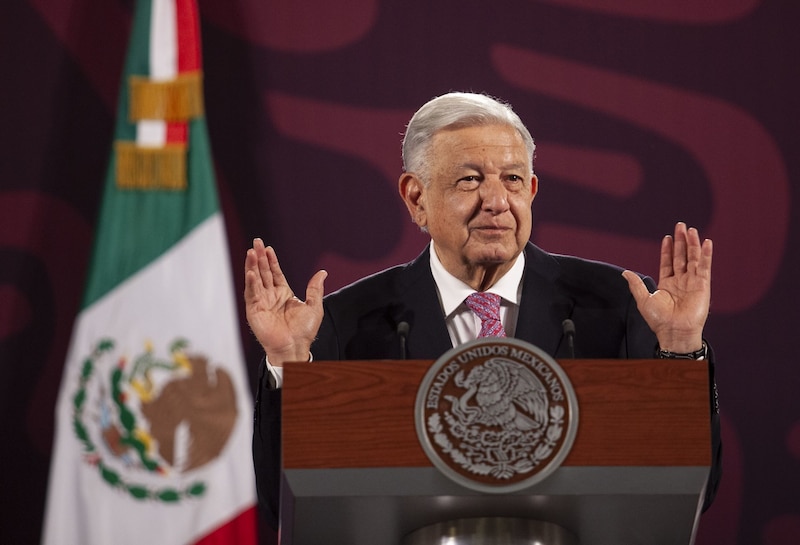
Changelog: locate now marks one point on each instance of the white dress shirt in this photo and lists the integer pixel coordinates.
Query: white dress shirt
(463, 324)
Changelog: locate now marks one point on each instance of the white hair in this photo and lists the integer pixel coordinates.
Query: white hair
(455, 111)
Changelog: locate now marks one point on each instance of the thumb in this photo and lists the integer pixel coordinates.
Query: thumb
(315, 290)
(636, 285)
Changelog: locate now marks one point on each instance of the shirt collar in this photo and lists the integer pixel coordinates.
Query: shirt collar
(453, 291)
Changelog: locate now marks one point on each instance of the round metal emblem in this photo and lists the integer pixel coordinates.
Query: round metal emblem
(496, 414)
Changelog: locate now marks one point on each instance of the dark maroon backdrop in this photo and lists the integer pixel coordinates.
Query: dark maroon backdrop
(645, 112)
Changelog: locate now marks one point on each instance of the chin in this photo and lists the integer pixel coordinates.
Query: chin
(495, 257)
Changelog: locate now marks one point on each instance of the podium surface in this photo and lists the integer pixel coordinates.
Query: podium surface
(354, 471)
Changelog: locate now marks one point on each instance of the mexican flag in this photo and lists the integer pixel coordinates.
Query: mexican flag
(154, 416)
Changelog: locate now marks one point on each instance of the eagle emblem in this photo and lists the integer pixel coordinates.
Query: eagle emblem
(496, 415)
(148, 423)
(505, 394)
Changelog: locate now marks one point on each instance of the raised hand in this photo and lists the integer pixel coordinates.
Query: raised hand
(283, 324)
(677, 310)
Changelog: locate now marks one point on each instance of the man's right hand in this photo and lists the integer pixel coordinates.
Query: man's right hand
(283, 324)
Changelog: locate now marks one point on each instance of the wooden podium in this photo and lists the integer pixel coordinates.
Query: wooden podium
(355, 474)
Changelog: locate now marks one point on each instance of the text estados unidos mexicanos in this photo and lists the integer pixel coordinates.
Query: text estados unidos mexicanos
(543, 370)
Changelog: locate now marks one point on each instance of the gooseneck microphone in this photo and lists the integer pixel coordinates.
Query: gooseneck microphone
(568, 326)
(402, 332)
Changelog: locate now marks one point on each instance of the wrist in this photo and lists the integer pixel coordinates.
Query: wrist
(680, 343)
(277, 359)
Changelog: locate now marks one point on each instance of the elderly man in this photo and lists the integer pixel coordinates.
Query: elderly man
(468, 181)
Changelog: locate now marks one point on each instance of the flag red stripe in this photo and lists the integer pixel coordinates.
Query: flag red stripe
(177, 131)
(187, 32)
(240, 530)
(188, 35)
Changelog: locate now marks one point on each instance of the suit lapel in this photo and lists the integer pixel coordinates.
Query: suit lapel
(427, 337)
(543, 306)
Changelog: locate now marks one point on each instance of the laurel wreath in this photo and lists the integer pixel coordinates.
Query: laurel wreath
(471, 460)
(128, 421)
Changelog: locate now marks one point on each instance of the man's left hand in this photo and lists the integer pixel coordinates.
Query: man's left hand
(677, 310)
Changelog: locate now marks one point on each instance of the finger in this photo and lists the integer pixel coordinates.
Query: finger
(258, 246)
(251, 284)
(706, 254)
(693, 249)
(250, 261)
(252, 276)
(665, 266)
(265, 268)
(254, 290)
(315, 290)
(252, 255)
(679, 257)
(253, 267)
(276, 276)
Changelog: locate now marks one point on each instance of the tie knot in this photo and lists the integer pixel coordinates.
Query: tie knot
(486, 306)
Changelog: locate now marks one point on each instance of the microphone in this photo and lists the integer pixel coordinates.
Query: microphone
(402, 332)
(568, 327)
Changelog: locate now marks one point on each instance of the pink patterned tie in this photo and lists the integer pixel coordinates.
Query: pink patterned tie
(487, 307)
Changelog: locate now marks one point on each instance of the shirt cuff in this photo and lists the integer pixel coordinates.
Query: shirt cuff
(277, 372)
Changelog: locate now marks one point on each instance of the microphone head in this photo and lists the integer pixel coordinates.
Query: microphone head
(569, 333)
(402, 329)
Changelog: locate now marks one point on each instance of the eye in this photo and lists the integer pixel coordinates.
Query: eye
(469, 182)
(514, 181)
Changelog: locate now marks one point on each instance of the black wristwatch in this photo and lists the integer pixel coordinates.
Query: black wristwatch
(700, 354)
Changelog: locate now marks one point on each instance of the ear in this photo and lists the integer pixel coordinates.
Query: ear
(412, 192)
(534, 186)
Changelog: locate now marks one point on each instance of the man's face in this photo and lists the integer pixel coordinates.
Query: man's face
(477, 204)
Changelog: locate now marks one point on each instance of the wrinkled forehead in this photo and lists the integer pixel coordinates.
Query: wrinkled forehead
(500, 144)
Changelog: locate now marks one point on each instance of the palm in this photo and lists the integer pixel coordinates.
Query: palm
(674, 306)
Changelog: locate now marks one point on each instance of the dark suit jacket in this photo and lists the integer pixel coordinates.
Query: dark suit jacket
(361, 322)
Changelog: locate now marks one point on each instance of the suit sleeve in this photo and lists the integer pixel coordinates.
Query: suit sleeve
(267, 445)
(715, 476)
(267, 427)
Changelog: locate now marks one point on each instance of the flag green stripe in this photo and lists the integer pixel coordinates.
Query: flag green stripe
(137, 63)
(137, 226)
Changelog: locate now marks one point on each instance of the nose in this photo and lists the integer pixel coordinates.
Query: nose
(494, 196)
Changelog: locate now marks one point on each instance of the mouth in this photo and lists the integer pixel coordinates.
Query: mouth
(491, 229)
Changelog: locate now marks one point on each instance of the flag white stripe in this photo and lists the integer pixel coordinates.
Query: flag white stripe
(163, 65)
(163, 40)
